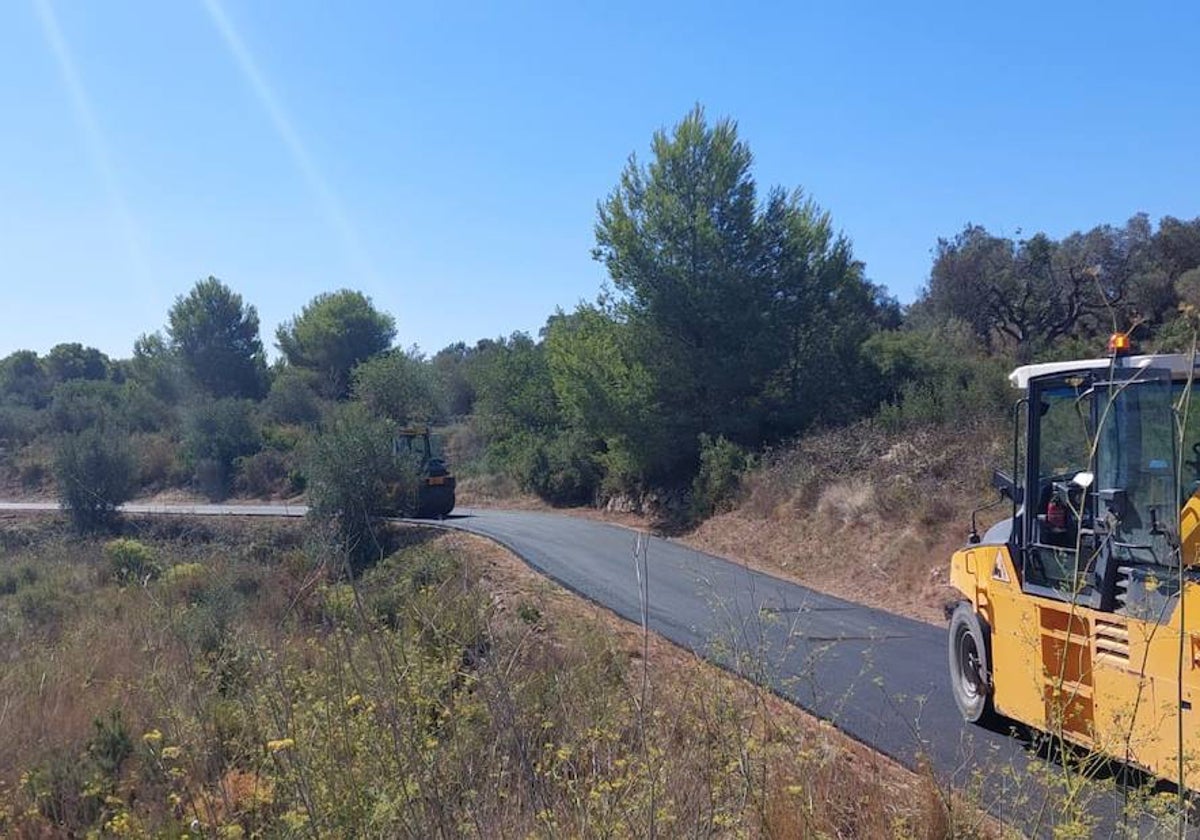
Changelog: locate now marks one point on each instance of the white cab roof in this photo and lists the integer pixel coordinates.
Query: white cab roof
(1181, 366)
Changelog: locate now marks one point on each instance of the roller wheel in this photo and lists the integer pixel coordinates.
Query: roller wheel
(970, 665)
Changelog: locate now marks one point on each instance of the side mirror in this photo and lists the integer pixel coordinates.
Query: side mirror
(1007, 487)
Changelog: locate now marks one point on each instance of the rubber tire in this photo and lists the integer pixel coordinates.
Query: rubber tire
(970, 664)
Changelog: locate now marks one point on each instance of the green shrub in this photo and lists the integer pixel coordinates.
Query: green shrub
(216, 434)
(559, 467)
(425, 568)
(264, 475)
(186, 581)
(130, 561)
(94, 472)
(83, 404)
(143, 411)
(398, 386)
(293, 397)
(568, 472)
(283, 438)
(354, 478)
(59, 787)
(722, 464)
(528, 613)
(338, 604)
(33, 475)
(44, 603)
(110, 744)
(158, 460)
(16, 577)
(937, 377)
(20, 424)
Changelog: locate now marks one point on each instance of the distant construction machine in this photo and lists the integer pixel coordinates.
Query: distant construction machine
(435, 484)
(1079, 614)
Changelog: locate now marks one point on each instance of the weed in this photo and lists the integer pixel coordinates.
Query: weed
(11, 580)
(528, 613)
(130, 561)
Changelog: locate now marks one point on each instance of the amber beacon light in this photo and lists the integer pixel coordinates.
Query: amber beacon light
(1119, 344)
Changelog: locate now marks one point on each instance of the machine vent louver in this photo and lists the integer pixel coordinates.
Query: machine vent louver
(1112, 641)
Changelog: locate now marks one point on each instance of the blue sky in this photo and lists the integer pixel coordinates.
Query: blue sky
(446, 159)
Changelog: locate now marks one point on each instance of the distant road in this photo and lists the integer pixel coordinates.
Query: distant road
(271, 509)
(880, 677)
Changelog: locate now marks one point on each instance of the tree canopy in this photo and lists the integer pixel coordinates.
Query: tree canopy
(74, 361)
(332, 334)
(741, 319)
(216, 339)
(1030, 293)
(399, 386)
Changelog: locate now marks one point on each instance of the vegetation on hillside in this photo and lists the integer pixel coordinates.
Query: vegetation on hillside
(737, 320)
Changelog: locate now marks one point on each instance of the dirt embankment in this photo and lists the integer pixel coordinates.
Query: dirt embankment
(864, 514)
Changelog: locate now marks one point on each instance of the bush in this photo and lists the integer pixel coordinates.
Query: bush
(158, 461)
(186, 581)
(283, 438)
(264, 475)
(81, 404)
(398, 386)
(15, 577)
(143, 411)
(130, 561)
(937, 377)
(293, 397)
(95, 474)
(110, 745)
(20, 424)
(216, 434)
(559, 467)
(564, 471)
(353, 477)
(722, 464)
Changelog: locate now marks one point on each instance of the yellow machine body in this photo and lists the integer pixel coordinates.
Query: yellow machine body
(1106, 682)
(1117, 681)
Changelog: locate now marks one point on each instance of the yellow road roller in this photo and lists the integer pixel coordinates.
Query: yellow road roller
(1078, 614)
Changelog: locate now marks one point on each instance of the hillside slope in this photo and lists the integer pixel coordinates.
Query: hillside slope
(864, 513)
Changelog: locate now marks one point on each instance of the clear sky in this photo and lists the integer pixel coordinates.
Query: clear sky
(446, 159)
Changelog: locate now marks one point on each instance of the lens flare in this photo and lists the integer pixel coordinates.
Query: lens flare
(93, 140)
(324, 194)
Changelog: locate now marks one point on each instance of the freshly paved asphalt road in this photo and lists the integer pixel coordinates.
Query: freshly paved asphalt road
(881, 678)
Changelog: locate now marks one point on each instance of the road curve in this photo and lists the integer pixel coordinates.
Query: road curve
(879, 677)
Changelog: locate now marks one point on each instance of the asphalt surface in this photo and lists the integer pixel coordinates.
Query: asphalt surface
(879, 677)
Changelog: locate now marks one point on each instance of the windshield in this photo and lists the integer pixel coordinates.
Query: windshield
(416, 445)
(1187, 402)
(1103, 474)
(1134, 465)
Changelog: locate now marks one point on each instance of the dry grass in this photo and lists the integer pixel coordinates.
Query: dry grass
(831, 785)
(250, 690)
